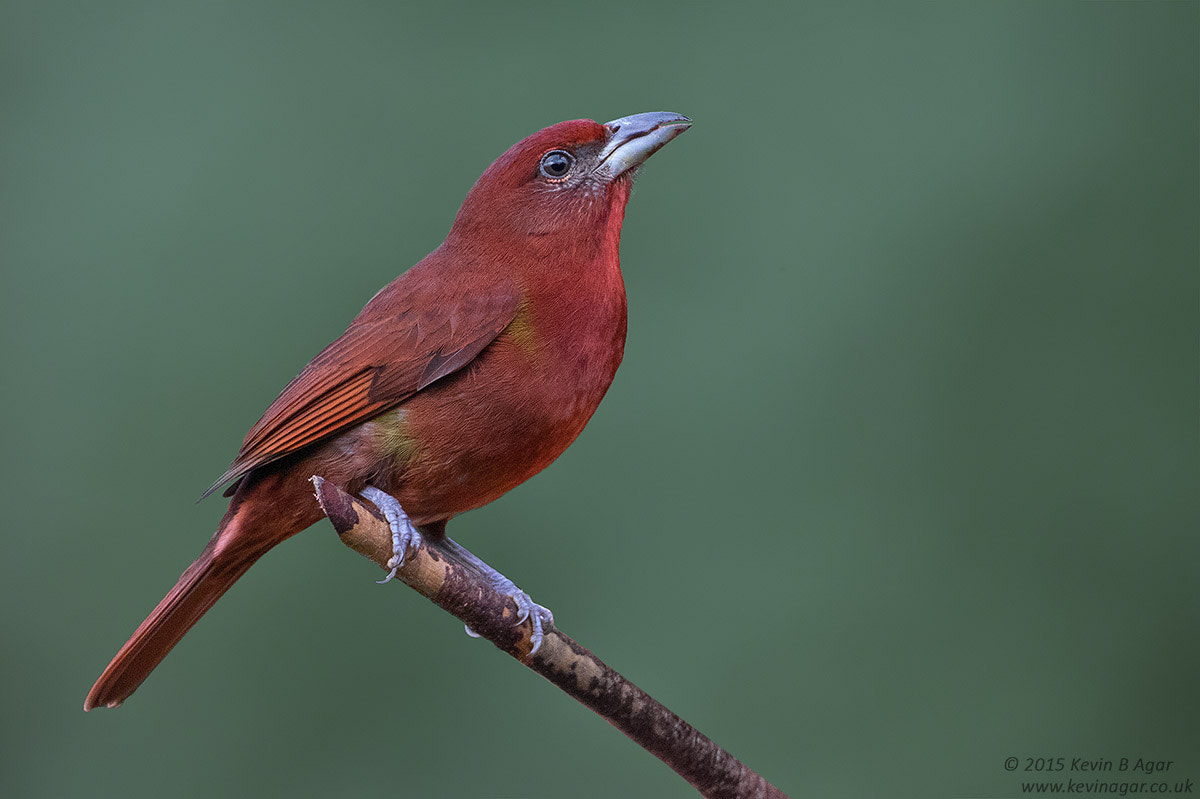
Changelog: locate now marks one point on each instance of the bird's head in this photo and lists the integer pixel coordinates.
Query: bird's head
(570, 177)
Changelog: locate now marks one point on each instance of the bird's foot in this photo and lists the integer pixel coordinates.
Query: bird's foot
(538, 615)
(404, 534)
(526, 609)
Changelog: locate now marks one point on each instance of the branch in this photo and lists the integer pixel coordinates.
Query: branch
(458, 590)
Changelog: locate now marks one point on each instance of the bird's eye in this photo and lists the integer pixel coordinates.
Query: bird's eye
(556, 164)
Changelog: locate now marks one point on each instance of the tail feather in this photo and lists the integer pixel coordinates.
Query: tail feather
(198, 589)
(265, 511)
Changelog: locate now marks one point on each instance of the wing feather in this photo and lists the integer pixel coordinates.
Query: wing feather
(410, 335)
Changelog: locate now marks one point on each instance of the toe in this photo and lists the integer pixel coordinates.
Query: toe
(536, 637)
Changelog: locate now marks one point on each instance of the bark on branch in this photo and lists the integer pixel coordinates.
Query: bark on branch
(457, 589)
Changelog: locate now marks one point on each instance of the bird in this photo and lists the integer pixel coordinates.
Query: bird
(462, 378)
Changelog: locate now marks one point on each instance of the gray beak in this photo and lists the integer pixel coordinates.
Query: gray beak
(636, 138)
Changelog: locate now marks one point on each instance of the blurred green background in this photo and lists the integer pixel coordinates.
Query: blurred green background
(898, 480)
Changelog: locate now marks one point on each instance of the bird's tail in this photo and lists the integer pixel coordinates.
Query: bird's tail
(198, 589)
(248, 530)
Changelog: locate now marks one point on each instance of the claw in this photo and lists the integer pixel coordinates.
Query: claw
(404, 534)
(527, 609)
(541, 616)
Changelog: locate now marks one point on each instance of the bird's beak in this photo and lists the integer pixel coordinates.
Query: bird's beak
(636, 138)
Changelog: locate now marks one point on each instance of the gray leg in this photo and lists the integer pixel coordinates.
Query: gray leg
(404, 534)
(526, 607)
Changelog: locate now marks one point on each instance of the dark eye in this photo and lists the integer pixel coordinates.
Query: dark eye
(556, 164)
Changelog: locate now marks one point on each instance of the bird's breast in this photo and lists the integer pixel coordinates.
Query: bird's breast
(509, 413)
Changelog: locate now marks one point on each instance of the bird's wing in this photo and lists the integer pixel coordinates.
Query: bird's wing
(405, 339)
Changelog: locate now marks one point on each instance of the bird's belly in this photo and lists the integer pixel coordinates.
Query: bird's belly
(467, 439)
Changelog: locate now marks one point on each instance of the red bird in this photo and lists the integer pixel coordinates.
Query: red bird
(462, 378)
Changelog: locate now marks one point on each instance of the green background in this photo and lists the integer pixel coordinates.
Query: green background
(899, 477)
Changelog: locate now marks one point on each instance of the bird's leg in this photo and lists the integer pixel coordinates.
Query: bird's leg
(404, 534)
(526, 607)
